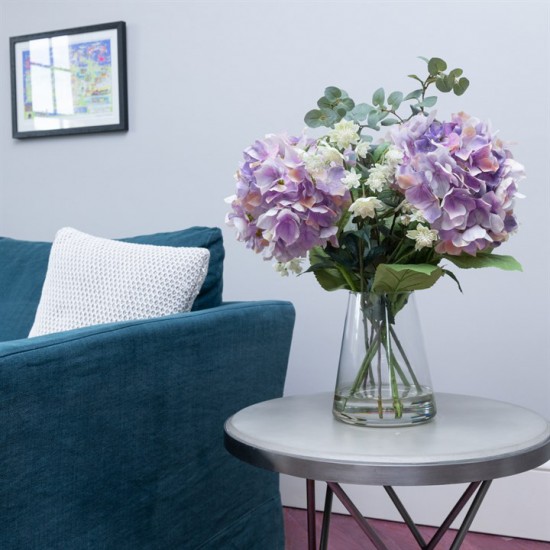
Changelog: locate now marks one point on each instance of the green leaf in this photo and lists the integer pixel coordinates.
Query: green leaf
(361, 111)
(324, 103)
(461, 86)
(453, 277)
(442, 84)
(436, 65)
(389, 121)
(321, 117)
(395, 99)
(347, 103)
(423, 58)
(330, 278)
(455, 73)
(405, 277)
(378, 97)
(332, 93)
(313, 118)
(372, 119)
(415, 94)
(429, 101)
(484, 259)
(379, 151)
(413, 76)
(415, 109)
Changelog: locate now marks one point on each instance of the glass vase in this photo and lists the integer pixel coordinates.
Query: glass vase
(383, 376)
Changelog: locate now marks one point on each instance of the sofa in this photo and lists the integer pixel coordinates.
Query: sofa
(111, 436)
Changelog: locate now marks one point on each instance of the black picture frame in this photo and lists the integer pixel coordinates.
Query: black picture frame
(71, 81)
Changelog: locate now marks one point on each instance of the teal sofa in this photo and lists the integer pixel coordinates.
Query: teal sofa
(111, 436)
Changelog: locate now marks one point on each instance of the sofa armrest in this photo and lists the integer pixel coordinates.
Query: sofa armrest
(115, 432)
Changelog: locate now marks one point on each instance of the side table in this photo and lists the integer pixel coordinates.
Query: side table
(472, 439)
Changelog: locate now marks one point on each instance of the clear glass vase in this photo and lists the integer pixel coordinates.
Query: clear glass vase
(383, 376)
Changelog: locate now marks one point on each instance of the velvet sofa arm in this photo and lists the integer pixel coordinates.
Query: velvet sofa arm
(112, 436)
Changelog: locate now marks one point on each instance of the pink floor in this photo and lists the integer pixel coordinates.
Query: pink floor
(346, 535)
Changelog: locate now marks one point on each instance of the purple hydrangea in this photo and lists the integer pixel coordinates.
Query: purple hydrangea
(280, 209)
(461, 178)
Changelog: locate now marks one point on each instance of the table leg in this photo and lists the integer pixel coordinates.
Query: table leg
(326, 519)
(478, 499)
(311, 531)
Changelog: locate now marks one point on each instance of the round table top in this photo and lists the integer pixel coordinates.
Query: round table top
(470, 439)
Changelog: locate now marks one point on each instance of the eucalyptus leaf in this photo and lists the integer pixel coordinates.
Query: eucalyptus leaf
(429, 101)
(461, 86)
(415, 109)
(361, 111)
(455, 73)
(415, 94)
(442, 85)
(395, 99)
(347, 103)
(405, 277)
(389, 121)
(313, 118)
(378, 97)
(332, 93)
(436, 65)
(372, 119)
(481, 259)
(324, 103)
(416, 78)
(423, 58)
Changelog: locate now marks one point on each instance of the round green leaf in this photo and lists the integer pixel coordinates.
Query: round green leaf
(378, 97)
(313, 118)
(332, 93)
(429, 101)
(442, 85)
(461, 86)
(395, 99)
(324, 103)
(436, 65)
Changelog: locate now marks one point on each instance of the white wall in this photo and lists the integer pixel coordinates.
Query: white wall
(207, 78)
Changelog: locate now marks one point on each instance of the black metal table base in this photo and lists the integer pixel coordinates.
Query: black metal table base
(477, 488)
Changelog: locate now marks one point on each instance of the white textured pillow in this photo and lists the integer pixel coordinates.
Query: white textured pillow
(91, 280)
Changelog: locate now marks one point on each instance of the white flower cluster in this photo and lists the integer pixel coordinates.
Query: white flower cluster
(322, 157)
(366, 207)
(424, 236)
(410, 214)
(344, 134)
(294, 266)
(381, 175)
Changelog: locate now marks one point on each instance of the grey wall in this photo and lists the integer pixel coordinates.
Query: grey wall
(206, 79)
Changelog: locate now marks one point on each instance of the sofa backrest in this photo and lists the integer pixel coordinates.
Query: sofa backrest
(23, 266)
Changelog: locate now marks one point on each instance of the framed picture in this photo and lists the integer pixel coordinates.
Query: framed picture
(71, 81)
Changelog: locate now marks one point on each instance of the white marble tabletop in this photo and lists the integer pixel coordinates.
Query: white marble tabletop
(470, 439)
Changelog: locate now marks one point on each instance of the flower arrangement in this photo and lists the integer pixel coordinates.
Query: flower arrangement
(380, 215)
(380, 218)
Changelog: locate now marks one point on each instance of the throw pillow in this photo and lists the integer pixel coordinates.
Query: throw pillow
(91, 280)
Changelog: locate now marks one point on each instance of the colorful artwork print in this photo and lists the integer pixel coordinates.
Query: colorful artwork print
(91, 82)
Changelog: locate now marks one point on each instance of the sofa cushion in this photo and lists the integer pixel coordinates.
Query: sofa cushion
(91, 281)
(23, 266)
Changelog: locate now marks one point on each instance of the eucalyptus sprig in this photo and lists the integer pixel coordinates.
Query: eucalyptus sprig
(335, 104)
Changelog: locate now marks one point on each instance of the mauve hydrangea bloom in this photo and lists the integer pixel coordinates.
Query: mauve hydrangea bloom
(461, 178)
(280, 209)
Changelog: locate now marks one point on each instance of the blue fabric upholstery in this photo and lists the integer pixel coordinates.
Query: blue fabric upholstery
(111, 437)
(23, 266)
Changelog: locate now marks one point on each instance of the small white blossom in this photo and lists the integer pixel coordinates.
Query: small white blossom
(344, 134)
(294, 266)
(379, 177)
(362, 149)
(351, 180)
(315, 164)
(366, 207)
(393, 156)
(424, 236)
(330, 154)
